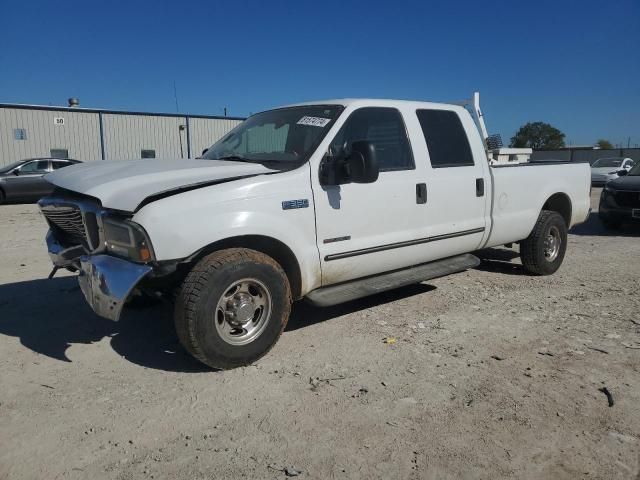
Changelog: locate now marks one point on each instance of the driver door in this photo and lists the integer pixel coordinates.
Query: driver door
(358, 224)
(28, 183)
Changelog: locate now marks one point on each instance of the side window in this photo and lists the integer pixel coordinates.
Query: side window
(384, 128)
(39, 166)
(147, 154)
(446, 139)
(56, 164)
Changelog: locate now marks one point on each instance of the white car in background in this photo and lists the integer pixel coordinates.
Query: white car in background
(605, 169)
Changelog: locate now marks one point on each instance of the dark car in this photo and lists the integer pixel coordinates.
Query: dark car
(620, 199)
(23, 181)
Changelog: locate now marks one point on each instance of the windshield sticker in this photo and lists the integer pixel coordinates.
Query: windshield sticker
(314, 121)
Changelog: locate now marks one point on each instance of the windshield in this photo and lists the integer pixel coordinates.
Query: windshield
(285, 137)
(607, 162)
(11, 166)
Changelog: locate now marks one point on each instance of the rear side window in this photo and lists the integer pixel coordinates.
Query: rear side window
(446, 139)
(384, 128)
(56, 164)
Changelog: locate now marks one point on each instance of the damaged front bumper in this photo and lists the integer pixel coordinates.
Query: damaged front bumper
(105, 281)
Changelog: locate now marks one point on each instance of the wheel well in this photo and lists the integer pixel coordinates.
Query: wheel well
(277, 250)
(559, 202)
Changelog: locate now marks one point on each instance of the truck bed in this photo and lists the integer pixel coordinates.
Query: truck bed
(520, 192)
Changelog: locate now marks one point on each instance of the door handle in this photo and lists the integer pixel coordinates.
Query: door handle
(421, 193)
(479, 187)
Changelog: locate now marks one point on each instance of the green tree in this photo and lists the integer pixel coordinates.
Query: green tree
(539, 136)
(604, 144)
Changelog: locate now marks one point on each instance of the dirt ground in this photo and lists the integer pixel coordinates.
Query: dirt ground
(494, 374)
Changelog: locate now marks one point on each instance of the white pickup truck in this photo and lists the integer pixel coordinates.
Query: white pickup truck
(327, 201)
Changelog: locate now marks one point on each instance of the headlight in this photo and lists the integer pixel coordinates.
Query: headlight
(127, 239)
(608, 189)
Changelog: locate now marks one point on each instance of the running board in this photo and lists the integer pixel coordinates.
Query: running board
(344, 292)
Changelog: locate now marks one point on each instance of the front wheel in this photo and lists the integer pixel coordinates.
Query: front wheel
(232, 307)
(542, 252)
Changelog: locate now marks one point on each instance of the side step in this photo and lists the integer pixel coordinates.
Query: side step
(363, 287)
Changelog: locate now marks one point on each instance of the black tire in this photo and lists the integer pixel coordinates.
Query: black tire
(2, 197)
(203, 327)
(536, 253)
(609, 222)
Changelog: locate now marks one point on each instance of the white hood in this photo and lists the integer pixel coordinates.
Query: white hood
(124, 184)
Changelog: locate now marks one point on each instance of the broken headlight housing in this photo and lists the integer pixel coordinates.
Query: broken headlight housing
(127, 239)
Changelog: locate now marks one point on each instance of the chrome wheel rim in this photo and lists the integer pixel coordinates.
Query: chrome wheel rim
(243, 311)
(552, 243)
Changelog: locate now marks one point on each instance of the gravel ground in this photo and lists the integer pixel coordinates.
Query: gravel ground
(493, 374)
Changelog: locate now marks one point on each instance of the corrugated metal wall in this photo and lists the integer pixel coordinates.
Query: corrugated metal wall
(124, 134)
(80, 134)
(204, 133)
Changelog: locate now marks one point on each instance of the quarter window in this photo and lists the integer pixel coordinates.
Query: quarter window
(385, 129)
(56, 164)
(446, 139)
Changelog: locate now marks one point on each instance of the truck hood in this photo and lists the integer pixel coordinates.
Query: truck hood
(125, 184)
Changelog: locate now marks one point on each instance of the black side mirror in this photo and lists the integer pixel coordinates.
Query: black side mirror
(623, 173)
(204, 151)
(360, 165)
(16, 172)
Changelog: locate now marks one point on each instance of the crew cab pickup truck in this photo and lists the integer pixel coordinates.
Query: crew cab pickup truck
(326, 201)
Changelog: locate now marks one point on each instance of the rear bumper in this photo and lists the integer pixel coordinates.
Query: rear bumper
(107, 282)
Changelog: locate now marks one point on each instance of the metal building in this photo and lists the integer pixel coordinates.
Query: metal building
(86, 134)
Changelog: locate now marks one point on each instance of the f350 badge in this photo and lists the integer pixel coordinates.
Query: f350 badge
(291, 204)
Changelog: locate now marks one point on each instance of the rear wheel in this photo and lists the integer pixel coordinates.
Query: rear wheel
(232, 307)
(542, 252)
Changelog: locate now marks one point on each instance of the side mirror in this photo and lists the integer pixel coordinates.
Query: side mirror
(623, 173)
(204, 151)
(360, 165)
(16, 172)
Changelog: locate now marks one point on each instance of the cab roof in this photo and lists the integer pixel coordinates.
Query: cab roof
(380, 102)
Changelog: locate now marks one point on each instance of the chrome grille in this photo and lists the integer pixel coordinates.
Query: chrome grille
(67, 219)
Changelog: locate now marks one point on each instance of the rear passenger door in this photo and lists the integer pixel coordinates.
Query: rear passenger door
(458, 183)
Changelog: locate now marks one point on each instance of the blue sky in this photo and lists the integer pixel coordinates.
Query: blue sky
(574, 64)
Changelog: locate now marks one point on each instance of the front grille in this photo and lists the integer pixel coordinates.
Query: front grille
(66, 219)
(628, 199)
